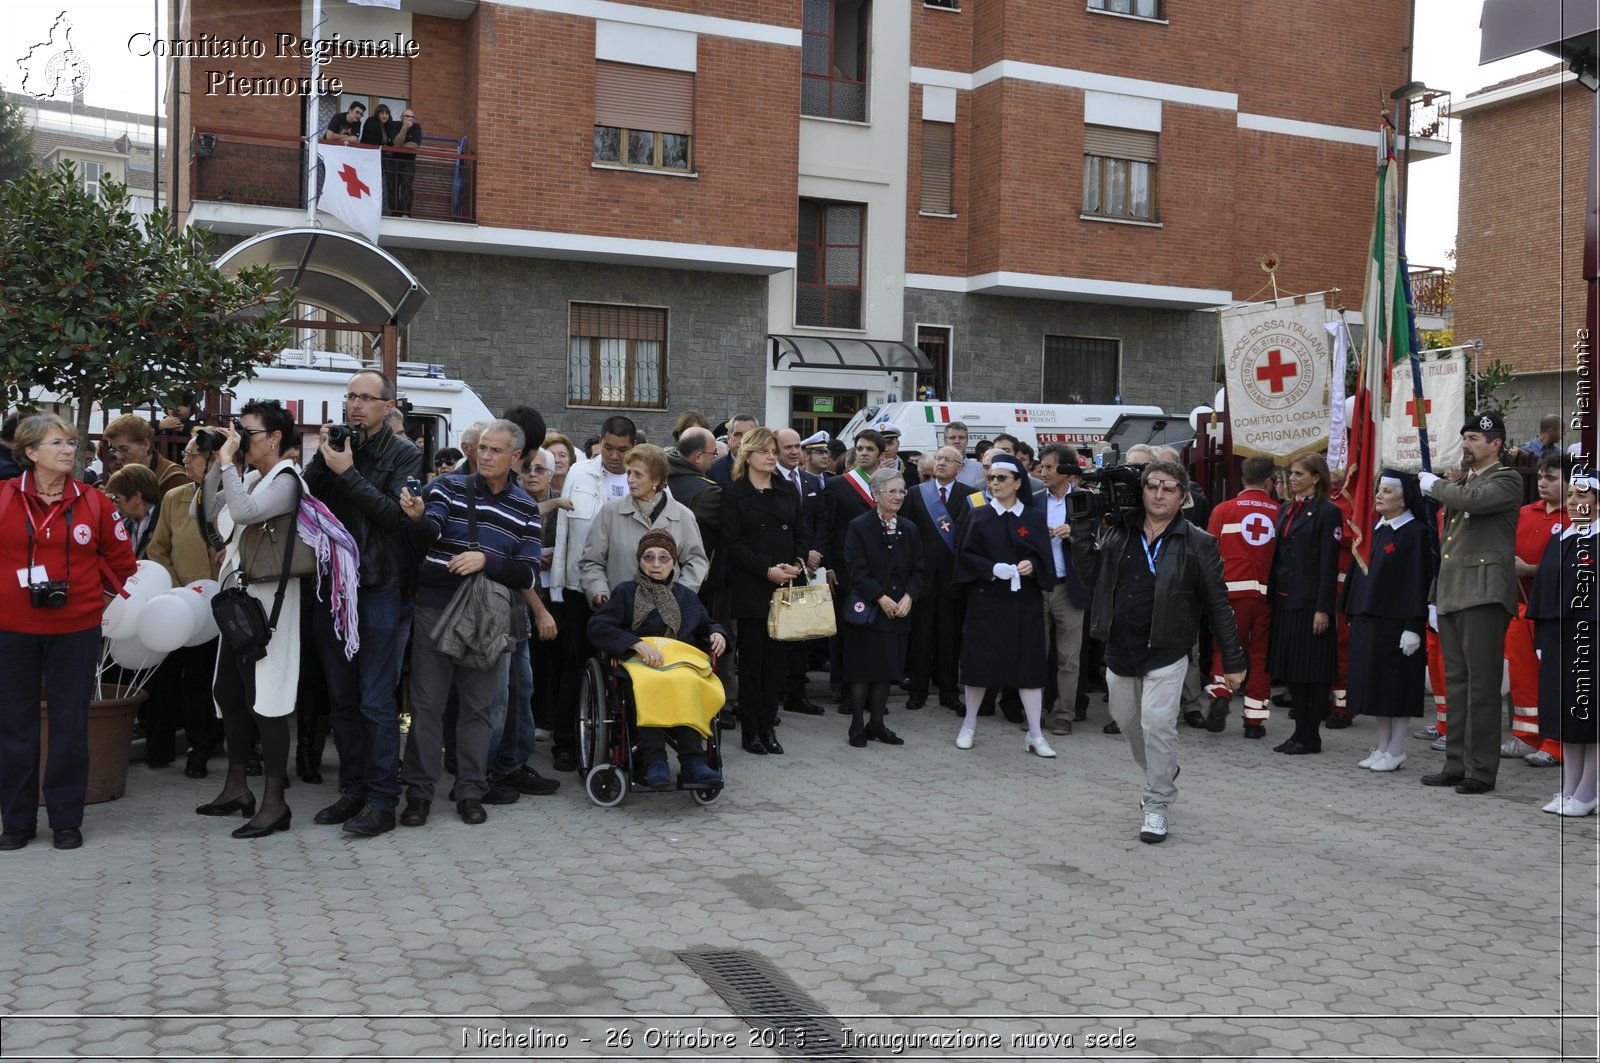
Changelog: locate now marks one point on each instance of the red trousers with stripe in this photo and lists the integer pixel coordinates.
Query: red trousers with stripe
(1253, 616)
(1436, 678)
(1524, 667)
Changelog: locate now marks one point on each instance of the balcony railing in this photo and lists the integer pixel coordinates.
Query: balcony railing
(1432, 290)
(267, 169)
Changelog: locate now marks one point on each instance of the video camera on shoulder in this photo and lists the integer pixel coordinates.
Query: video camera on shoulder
(1121, 492)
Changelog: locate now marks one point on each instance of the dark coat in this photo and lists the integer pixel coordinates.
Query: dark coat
(939, 559)
(841, 504)
(880, 567)
(366, 499)
(1003, 642)
(1562, 607)
(1305, 563)
(703, 496)
(1396, 586)
(759, 529)
(611, 629)
(721, 471)
(1076, 591)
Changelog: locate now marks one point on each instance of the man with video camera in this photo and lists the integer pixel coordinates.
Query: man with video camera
(1153, 575)
(358, 472)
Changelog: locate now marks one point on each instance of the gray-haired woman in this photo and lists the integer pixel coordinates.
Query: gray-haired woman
(886, 577)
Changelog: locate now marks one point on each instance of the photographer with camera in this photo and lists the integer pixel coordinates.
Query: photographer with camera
(1153, 574)
(359, 472)
(66, 545)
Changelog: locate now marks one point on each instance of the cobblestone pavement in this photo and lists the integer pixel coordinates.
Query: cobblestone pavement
(990, 900)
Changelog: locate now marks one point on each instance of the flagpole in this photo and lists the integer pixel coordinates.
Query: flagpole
(311, 114)
(1404, 288)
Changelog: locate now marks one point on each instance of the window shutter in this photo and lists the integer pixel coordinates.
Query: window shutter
(373, 76)
(604, 321)
(643, 97)
(1110, 143)
(938, 165)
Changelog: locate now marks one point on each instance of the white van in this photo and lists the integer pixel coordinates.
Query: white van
(922, 424)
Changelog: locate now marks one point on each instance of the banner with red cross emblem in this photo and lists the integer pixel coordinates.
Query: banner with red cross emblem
(1277, 368)
(1444, 405)
(351, 187)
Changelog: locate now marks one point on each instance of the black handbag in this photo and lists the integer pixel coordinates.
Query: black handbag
(244, 625)
(857, 610)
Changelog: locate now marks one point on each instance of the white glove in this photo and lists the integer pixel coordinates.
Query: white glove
(1538, 654)
(1433, 617)
(1427, 480)
(1004, 571)
(1409, 641)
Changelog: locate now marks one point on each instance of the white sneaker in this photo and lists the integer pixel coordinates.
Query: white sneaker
(1371, 758)
(1438, 744)
(1039, 746)
(1154, 829)
(1388, 762)
(1513, 747)
(1430, 732)
(1554, 807)
(1540, 759)
(964, 738)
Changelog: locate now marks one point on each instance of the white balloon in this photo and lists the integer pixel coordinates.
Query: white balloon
(134, 655)
(166, 622)
(1220, 403)
(1199, 417)
(199, 594)
(121, 618)
(152, 578)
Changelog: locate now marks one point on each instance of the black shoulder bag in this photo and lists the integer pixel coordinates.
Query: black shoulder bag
(242, 621)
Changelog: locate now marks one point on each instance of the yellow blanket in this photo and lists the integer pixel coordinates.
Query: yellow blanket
(683, 692)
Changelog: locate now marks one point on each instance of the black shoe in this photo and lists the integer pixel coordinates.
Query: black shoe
(915, 702)
(16, 839)
(886, 736)
(72, 837)
(1295, 747)
(753, 744)
(953, 704)
(194, 766)
(1112, 728)
(1465, 786)
(844, 709)
(500, 795)
(1217, 716)
(245, 805)
(345, 808)
(1255, 730)
(858, 739)
(1442, 778)
(1195, 718)
(727, 721)
(564, 760)
(803, 707)
(1283, 701)
(770, 740)
(471, 812)
(370, 823)
(416, 813)
(526, 780)
(306, 767)
(1080, 708)
(1337, 722)
(251, 831)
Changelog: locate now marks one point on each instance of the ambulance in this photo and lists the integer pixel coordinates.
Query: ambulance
(922, 424)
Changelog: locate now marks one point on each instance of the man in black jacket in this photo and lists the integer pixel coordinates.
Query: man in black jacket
(687, 480)
(937, 507)
(1153, 574)
(360, 479)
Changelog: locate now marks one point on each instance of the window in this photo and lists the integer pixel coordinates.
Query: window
(94, 174)
(1079, 369)
(1119, 173)
(948, 5)
(935, 343)
(828, 284)
(1137, 8)
(617, 356)
(643, 116)
(833, 61)
(938, 164)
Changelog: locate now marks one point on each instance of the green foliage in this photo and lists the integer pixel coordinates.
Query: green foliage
(16, 142)
(1492, 389)
(101, 312)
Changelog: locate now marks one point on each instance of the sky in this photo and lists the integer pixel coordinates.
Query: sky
(1446, 58)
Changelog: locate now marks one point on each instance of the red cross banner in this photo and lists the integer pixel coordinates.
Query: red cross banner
(1277, 362)
(351, 187)
(1444, 398)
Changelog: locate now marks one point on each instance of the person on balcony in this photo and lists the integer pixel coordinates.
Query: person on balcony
(402, 163)
(346, 128)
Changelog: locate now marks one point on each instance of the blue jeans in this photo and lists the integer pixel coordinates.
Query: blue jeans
(365, 715)
(513, 746)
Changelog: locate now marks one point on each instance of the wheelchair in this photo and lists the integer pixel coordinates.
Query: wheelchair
(608, 757)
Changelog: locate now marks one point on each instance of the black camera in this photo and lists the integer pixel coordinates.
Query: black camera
(1121, 492)
(339, 433)
(209, 440)
(51, 594)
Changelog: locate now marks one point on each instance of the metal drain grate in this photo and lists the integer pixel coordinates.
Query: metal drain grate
(767, 999)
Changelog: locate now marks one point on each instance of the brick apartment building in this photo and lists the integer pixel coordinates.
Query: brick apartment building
(1525, 147)
(670, 203)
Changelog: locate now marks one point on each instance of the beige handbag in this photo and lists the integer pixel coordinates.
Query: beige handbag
(801, 611)
(262, 548)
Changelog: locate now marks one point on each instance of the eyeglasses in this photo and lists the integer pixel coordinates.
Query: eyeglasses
(656, 557)
(997, 476)
(122, 448)
(893, 492)
(1163, 487)
(246, 433)
(355, 396)
(70, 444)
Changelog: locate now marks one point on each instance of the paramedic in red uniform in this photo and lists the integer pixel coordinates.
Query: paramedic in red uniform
(1537, 523)
(1244, 529)
(1338, 716)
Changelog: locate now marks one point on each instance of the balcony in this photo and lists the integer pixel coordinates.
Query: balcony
(265, 169)
(1432, 290)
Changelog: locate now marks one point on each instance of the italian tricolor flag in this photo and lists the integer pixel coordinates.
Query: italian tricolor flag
(937, 414)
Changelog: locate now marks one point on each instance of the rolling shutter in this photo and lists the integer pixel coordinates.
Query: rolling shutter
(1109, 143)
(373, 76)
(938, 165)
(643, 97)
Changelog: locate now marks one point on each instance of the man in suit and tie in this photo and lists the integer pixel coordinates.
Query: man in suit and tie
(1064, 603)
(936, 506)
(722, 469)
(791, 462)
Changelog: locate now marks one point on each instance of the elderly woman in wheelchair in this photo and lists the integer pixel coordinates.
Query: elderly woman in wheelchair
(646, 622)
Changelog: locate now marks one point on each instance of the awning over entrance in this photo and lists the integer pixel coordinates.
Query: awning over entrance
(824, 352)
(342, 274)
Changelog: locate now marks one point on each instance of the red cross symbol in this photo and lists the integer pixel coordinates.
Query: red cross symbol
(1276, 371)
(1388, 548)
(353, 183)
(1023, 532)
(1411, 410)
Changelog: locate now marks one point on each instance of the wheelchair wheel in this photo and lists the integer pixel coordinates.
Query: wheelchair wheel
(707, 796)
(592, 714)
(607, 785)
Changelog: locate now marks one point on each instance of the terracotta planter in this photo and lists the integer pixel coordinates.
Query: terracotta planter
(110, 735)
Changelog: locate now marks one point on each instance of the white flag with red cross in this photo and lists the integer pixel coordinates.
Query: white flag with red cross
(1277, 377)
(350, 187)
(1444, 404)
